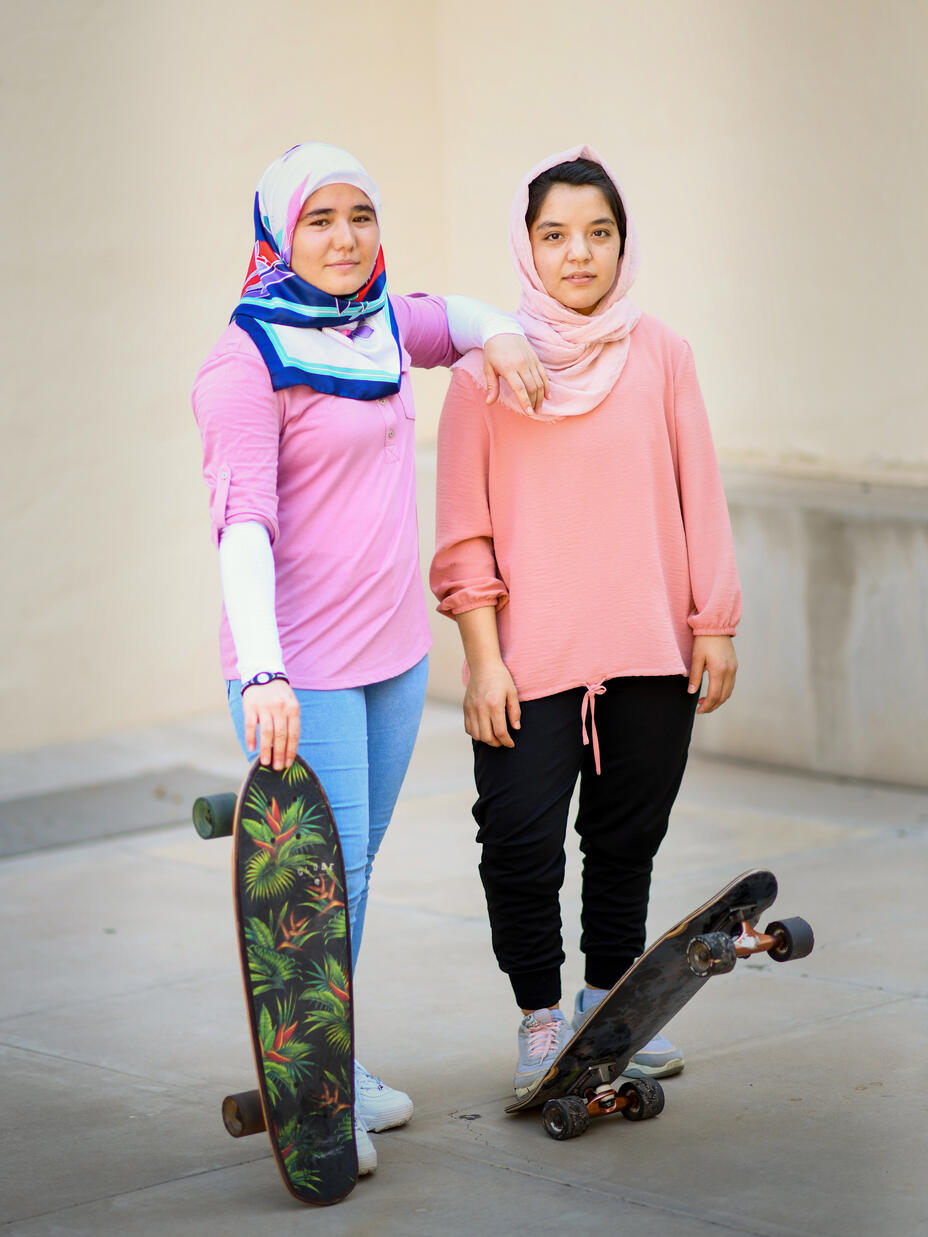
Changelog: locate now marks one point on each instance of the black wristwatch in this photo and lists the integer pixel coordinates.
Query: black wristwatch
(262, 677)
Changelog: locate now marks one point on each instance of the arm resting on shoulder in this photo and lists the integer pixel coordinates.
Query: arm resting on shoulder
(506, 352)
(439, 332)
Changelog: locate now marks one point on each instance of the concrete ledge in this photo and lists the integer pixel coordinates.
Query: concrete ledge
(833, 650)
(832, 645)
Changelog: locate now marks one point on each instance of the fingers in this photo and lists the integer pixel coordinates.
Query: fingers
(492, 383)
(519, 390)
(293, 740)
(697, 670)
(534, 384)
(500, 728)
(513, 710)
(542, 387)
(546, 382)
(710, 701)
(273, 733)
(487, 724)
(266, 735)
(272, 723)
(721, 685)
(251, 723)
(528, 382)
(529, 385)
(491, 705)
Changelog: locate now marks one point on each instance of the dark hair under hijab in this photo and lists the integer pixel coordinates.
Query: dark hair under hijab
(576, 172)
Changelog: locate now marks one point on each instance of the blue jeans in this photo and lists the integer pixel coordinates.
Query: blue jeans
(359, 741)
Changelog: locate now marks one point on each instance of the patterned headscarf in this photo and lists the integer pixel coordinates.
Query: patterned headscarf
(339, 346)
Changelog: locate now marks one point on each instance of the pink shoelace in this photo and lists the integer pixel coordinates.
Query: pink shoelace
(542, 1037)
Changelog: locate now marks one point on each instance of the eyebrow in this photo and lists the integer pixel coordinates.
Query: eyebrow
(330, 210)
(552, 223)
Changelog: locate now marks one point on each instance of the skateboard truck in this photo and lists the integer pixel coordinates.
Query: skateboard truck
(715, 953)
(636, 1099)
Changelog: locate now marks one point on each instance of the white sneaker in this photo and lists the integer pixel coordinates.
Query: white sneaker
(367, 1156)
(380, 1106)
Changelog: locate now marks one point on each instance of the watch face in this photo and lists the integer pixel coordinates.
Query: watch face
(265, 676)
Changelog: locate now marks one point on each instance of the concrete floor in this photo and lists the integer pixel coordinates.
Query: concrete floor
(801, 1110)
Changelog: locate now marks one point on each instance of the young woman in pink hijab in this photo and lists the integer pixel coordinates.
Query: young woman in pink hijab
(586, 553)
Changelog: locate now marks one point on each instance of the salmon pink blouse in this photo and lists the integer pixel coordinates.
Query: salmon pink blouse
(603, 539)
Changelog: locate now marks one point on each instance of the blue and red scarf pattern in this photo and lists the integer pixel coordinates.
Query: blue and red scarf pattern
(306, 336)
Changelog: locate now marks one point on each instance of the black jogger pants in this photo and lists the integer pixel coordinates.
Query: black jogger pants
(644, 727)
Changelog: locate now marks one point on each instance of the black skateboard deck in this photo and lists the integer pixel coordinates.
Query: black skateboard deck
(584, 1082)
(292, 922)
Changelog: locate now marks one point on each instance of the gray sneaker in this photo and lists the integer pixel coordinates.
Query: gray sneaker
(581, 1014)
(542, 1035)
(659, 1058)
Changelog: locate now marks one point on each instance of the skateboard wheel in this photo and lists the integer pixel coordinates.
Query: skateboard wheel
(213, 815)
(711, 954)
(794, 939)
(644, 1099)
(566, 1117)
(242, 1114)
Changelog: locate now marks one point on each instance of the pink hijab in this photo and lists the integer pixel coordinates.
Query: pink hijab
(584, 356)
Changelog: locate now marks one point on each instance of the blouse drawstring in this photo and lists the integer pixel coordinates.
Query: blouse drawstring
(589, 704)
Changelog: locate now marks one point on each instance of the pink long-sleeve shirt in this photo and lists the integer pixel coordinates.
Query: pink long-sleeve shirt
(332, 480)
(603, 539)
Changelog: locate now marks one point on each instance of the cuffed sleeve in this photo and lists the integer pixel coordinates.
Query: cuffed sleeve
(238, 416)
(713, 573)
(464, 574)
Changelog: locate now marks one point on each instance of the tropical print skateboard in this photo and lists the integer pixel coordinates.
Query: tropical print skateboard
(584, 1081)
(291, 915)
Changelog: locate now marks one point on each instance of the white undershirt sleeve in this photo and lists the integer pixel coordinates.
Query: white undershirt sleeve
(246, 568)
(471, 323)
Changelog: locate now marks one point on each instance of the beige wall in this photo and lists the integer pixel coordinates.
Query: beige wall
(773, 157)
(134, 136)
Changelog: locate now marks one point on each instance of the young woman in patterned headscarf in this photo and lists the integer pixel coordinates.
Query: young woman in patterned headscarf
(306, 413)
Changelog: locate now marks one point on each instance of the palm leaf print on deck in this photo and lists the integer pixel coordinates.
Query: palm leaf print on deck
(282, 840)
(285, 1056)
(329, 991)
(271, 969)
(297, 961)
